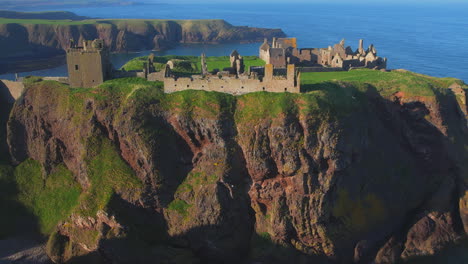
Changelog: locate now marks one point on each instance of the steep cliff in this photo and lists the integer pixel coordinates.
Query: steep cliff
(19, 38)
(360, 171)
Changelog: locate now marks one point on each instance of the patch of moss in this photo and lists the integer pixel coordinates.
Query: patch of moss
(108, 174)
(179, 206)
(199, 103)
(358, 215)
(58, 246)
(50, 199)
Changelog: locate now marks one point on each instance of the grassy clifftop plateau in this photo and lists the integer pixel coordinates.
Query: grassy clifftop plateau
(359, 156)
(53, 15)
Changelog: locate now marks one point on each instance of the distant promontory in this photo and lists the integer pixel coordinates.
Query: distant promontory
(40, 38)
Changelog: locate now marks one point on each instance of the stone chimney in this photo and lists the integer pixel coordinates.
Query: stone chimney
(361, 46)
(291, 72)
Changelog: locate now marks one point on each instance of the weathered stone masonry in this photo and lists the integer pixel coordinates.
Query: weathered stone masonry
(284, 51)
(238, 84)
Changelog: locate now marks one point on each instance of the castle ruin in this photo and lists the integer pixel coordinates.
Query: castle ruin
(89, 65)
(234, 80)
(284, 51)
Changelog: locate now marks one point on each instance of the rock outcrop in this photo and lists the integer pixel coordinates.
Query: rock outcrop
(269, 178)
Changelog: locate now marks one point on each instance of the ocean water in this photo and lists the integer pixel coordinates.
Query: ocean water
(430, 39)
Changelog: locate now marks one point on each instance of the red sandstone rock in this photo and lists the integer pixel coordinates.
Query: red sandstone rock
(378, 184)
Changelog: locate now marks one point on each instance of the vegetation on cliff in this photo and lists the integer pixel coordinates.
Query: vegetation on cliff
(364, 165)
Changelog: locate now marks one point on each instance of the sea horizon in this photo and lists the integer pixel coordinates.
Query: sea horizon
(406, 35)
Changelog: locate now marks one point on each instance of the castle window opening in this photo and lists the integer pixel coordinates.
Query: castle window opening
(222, 86)
(242, 87)
(188, 86)
(285, 89)
(76, 67)
(263, 88)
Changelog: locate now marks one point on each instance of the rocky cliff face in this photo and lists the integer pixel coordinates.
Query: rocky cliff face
(19, 40)
(343, 174)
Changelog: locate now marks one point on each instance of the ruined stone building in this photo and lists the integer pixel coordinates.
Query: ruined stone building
(284, 51)
(89, 65)
(235, 80)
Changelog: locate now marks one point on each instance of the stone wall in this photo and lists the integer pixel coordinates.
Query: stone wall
(156, 76)
(320, 69)
(57, 79)
(11, 90)
(238, 85)
(235, 86)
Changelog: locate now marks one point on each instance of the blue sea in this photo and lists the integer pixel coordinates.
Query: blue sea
(430, 39)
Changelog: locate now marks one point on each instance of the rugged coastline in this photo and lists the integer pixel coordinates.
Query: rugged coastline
(22, 39)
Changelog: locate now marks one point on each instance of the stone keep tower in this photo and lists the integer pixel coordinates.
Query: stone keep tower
(88, 66)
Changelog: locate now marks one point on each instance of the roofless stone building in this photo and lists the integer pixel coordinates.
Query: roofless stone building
(283, 51)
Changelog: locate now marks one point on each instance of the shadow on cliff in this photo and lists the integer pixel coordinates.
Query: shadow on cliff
(16, 220)
(6, 104)
(437, 157)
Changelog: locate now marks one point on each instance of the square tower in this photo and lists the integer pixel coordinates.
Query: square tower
(88, 66)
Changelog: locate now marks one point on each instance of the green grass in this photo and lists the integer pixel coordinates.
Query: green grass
(224, 62)
(51, 199)
(109, 175)
(200, 102)
(386, 83)
(180, 206)
(195, 62)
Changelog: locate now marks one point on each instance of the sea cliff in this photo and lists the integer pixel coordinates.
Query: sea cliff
(368, 169)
